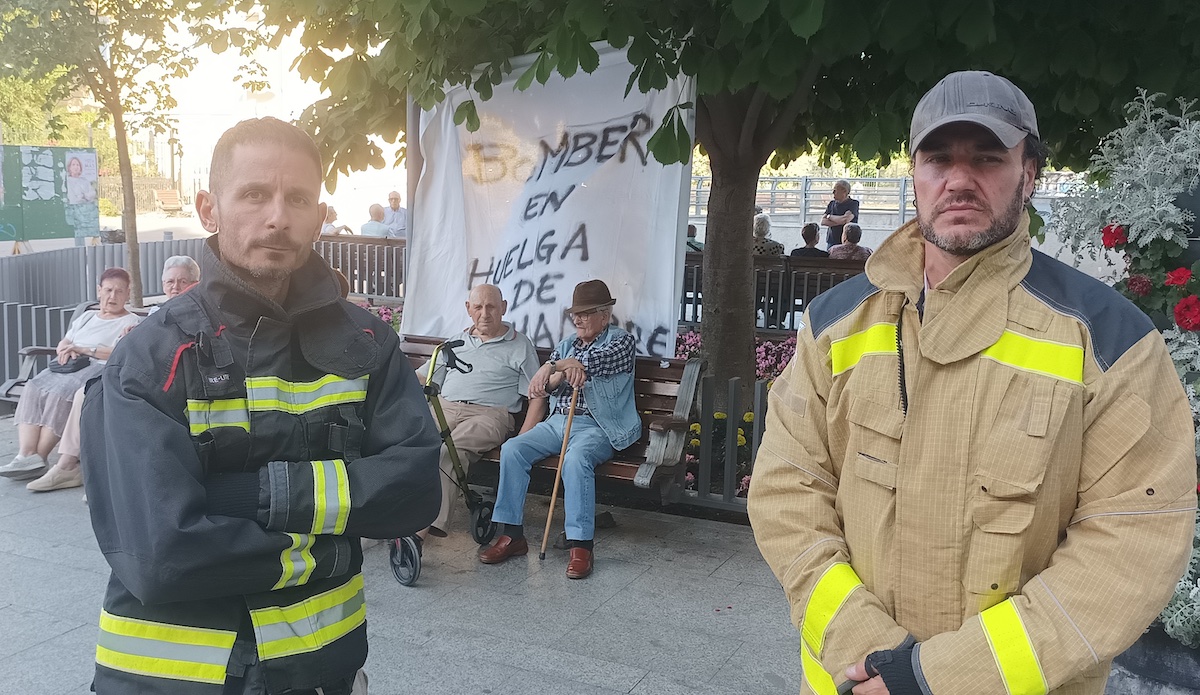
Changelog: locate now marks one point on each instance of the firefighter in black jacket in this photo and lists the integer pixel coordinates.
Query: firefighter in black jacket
(240, 442)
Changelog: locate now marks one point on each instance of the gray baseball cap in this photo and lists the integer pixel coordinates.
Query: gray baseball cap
(974, 96)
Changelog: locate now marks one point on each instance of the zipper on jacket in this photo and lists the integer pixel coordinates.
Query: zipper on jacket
(900, 362)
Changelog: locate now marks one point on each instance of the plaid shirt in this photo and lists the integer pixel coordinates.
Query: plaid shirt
(614, 357)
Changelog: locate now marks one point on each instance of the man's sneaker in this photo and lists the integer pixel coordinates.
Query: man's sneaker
(24, 467)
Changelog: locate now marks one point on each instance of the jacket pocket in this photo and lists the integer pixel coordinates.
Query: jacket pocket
(875, 431)
(1013, 458)
(868, 481)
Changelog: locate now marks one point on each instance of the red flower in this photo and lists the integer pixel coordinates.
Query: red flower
(1187, 313)
(1178, 277)
(1113, 235)
(1140, 285)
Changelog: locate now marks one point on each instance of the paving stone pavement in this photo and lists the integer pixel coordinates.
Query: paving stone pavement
(675, 606)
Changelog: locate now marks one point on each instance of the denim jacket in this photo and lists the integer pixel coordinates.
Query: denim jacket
(610, 398)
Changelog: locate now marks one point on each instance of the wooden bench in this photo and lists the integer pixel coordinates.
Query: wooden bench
(665, 392)
(168, 201)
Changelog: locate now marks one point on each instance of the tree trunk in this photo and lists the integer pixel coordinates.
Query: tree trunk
(728, 322)
(129, 206)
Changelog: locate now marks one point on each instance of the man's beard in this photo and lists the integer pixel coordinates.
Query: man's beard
(998, 231)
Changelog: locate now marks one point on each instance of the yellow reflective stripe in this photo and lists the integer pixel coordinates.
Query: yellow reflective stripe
(228, 412)
(331, 497)
(1012, 650)
(297, 560)
(817, 678)
(1059, 360)
(832, 590)
(879, 339)
(274, 393)
(310, 624)
(163, 651)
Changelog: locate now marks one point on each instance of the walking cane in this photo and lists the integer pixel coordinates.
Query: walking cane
(562, 454)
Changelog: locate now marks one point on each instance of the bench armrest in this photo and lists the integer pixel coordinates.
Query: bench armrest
(674, 424)
(36, 350)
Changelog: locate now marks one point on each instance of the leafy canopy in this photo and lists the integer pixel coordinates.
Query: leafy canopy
(781, 76)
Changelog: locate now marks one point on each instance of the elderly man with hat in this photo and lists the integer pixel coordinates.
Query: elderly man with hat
(978, 473)
(599, 360)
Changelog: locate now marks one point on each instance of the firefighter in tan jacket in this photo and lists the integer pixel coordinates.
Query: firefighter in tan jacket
(978, 474)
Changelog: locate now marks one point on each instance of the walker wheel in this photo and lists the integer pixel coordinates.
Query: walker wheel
(482, 526)
(405, 557)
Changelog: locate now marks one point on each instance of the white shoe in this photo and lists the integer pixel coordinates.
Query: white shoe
(57, 479)
(24, 467)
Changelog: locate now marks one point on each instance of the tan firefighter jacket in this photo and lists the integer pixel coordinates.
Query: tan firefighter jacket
(1022, 510)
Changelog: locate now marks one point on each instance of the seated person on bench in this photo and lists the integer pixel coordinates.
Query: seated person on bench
(599, 359)
(479, 405)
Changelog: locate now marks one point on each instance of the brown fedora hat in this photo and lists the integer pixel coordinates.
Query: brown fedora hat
(591, 294)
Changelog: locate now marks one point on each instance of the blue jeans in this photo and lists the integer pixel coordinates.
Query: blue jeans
(587, 448)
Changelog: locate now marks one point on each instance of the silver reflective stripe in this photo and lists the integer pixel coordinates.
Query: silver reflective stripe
(327, 618)
(297, 560)
(273, 393)
(331, 497)
(162, 650)
(228, 412)
(309, 625)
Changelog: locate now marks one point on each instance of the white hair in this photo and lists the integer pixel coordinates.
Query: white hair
(185, 262)
(762, 225)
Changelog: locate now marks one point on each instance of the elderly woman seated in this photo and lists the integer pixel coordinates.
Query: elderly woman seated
(46, 401)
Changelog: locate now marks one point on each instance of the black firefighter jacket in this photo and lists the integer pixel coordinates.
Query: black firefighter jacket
(235, 451)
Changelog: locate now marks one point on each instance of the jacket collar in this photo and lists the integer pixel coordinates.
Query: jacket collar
(311, 287)
(968, 311)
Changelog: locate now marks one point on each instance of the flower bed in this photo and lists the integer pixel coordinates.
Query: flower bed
(1141, 206)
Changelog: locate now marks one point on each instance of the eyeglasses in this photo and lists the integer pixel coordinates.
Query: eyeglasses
(393, 199)
(585, 314)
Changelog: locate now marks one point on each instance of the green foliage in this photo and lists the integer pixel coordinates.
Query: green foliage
(824, 76)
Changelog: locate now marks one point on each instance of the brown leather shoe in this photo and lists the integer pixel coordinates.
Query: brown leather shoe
(580, 565)
(504, 548)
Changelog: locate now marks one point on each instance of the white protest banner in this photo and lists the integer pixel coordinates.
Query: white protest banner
(557, 186)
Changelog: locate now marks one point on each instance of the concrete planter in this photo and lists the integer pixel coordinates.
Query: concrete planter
(1156, 664)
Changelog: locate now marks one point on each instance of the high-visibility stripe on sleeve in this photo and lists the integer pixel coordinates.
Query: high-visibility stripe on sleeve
(817, 678)
(297, 397)
(331, 497)
(879, 339)
(1013, 650)
(162, 650)
(297, 560)
(831, 591)
(1059, 360)
(310, 624)
(226, 412)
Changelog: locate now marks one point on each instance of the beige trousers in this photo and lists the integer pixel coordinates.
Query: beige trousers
(476, 430)
(69, 444)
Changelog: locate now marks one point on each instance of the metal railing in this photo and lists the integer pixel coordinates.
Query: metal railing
(39, 291)
(65, 277)
(783, 288)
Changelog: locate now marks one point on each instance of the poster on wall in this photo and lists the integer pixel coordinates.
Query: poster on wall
(49, 193)
(556, 186)
(82, 209)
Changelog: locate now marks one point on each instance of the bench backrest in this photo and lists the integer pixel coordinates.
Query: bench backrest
(664, 391)
(168, 200)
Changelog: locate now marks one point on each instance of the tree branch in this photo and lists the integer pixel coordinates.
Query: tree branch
(722, 122)
(786, 117)
(704, 131)
(750, 123)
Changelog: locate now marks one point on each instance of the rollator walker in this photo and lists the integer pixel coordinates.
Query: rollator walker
(405, 553)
